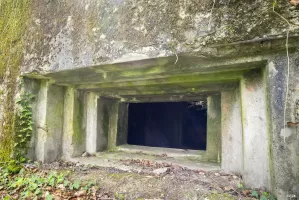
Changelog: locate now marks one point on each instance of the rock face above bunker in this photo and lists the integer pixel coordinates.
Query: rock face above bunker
(69, 34)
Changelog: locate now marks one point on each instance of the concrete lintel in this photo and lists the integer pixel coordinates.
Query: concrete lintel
(187, 89)
(214, 128)
(179, 80)
(164, 98)
(189, 65)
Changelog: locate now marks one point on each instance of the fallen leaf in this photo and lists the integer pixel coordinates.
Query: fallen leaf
(61, 187)
(228, 188)
(245, 192)
(294, 2)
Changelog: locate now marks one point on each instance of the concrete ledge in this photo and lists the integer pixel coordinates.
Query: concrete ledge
(159, 151)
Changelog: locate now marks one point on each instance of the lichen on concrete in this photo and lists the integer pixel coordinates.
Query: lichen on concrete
(13, 21)
(100, 32)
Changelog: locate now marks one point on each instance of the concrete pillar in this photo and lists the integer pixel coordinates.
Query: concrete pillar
(232, 133)
(214, 128)
(113, 123)
(107, 123)
(255, 131)
(91, 122)
(49, 123)
(73, 133)
(123, 117)
(103, 123)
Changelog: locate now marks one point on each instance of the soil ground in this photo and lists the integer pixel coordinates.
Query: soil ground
(139, 176)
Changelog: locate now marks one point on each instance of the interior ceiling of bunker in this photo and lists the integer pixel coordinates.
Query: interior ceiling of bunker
(188, 79)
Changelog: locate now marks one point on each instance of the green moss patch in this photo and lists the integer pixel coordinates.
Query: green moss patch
(13, 17)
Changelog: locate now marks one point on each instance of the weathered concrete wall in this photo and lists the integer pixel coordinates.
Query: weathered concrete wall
(232, 133)
(14, 16)
(71, 34)
(68, 34)
(284, 140)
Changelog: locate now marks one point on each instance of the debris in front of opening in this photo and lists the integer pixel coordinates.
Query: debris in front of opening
(164, 155)
(164, 181)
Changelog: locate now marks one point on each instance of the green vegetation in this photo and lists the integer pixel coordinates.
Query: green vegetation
(23, 126)
(35, 184)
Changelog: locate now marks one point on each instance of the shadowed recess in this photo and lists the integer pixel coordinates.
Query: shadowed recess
(180, 125)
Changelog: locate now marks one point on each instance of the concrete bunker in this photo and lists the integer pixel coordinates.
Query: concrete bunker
(236, 115)
(181, 125)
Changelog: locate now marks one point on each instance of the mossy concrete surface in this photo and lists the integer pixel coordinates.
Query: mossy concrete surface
(14, 16)
(86, 33)
(73, 134)
(132, 51)
(49, 122)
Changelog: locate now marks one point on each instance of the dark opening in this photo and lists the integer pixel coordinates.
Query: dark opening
(180, 125)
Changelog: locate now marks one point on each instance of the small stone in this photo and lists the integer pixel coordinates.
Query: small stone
(80, 193)
(228, 188)
(78, 164)
(84, 169)
(235, 177)
(61, 187)
(294, 2)
(246, 192)
(201, 173)
(85, 154)
(160, 171)
(217, 174)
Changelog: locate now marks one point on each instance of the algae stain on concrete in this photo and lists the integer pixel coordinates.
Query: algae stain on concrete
(13, 22)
